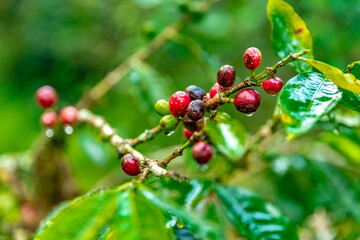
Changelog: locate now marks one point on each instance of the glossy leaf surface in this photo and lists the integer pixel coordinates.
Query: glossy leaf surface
(304, 99)
(289, 32)
(228, 137)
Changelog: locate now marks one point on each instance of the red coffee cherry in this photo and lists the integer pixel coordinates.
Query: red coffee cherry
(130, 165)
(46, 96)
(187, 133)
(48, 119)
(215, 89)
(68, 115)
(193, 125)
(247, 101)
(272, 85)
(226, 76)
(202, 152)
(252, 58)
(178, 103)
(196, 109)
(195, 92)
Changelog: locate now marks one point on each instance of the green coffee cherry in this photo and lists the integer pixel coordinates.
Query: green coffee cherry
(162, 107)
(168, 123)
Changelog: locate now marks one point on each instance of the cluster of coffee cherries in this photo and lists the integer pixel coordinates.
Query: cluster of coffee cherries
(47, 98)
(189, 106)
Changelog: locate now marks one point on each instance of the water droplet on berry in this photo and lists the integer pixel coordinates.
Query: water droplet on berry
(170, 133)
(336, 132)
(68, 130)
(249, 114)
(49, 132)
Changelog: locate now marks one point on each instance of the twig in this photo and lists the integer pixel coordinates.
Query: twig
(122, 146)
(147, 135)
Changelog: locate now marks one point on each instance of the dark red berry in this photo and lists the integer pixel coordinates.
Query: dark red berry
(195, 92)
(178, 103)
(46, 96)
(247, 101)
(187, 133)
(272, 85)
(226, 76)
(68, 115)
(193, 125)
(196, 109)
(48, 119)
(130, 165)
(252, 58)
(202, 152)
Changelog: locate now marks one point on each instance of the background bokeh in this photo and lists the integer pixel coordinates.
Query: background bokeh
(71, 45)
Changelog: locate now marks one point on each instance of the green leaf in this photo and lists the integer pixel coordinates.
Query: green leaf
(228, 137)
(304, 100)
(350, 99)
(289, 33)
(253, 217)
(114, 213)
(344, 80)
(197, 225)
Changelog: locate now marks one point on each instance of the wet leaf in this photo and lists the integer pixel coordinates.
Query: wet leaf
(344, 80)
(253, 217)
(289, 33)
(304, 100)
(228, 137)
(351, 99)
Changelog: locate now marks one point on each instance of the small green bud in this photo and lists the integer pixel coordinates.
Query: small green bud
(149, 30)
(162, 107)
(168, 123)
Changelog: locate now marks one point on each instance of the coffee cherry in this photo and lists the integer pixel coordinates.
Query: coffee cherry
(178, 103)
(168, 123)
(226, 76)
(162, 107)
(187, 133)
(202, 152)
(130, 165)
(193, 125)
(215, 89)
(46, 96)
(196, 109)
(68, 115)
(252, 58)
(272, 85)
(48, 119)
(195, 92)
(247, 101)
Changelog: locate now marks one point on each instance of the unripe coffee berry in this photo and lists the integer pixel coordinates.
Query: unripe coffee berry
(168, 123)
(226, 76)
(272, 85)
(130, 165)
(247, 101)
(162, 107)
(46, 96)
(187, 133)
(178, 103)
(48, 119)
(196, 109)
(193, 125)
(69, 115)
(195, 92)
(252, 58)
(202, 152)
